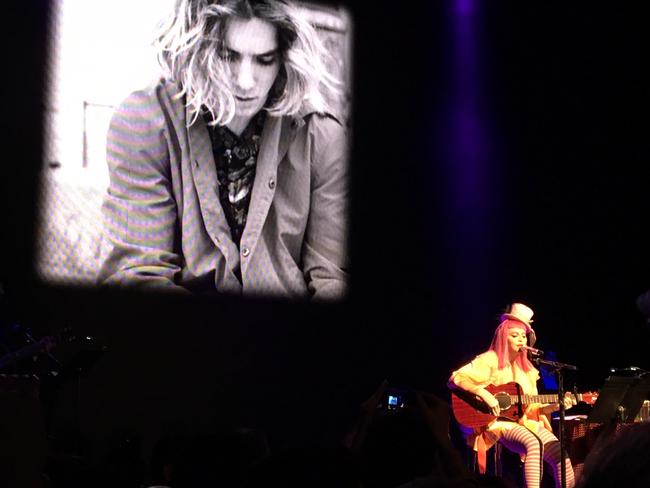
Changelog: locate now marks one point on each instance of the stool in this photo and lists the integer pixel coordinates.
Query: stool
(494, 453)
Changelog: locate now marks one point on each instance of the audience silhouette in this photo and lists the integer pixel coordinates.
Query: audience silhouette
(621, 461)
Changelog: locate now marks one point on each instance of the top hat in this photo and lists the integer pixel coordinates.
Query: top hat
(520, 312)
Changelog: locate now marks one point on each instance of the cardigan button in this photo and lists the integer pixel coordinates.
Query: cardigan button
(245, 252)
(272, 184)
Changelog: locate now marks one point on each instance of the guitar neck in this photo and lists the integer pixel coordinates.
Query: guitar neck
(550, 398)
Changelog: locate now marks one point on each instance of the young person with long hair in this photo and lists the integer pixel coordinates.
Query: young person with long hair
(505, 362)
(229, 173)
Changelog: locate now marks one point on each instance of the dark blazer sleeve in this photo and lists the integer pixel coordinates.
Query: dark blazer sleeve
(325, 250)
(139, 210)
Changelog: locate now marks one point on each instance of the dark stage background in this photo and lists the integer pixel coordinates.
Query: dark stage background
(557, 218)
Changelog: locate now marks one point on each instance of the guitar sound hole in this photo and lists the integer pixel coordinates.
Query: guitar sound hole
(504, 400)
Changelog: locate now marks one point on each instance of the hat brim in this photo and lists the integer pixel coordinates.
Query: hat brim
(514, 317)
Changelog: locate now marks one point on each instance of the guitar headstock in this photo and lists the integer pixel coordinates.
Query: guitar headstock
(589, 397)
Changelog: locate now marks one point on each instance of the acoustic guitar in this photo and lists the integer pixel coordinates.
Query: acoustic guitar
(472, 412)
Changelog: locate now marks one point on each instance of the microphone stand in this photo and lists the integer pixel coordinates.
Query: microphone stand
(558, 368)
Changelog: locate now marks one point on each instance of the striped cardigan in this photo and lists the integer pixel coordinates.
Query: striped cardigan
(167, 229)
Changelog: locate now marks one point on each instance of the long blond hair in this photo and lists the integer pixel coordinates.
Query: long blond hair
(188, 45)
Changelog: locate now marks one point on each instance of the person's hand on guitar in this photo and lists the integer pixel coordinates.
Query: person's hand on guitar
(568, 400)
(490, 401)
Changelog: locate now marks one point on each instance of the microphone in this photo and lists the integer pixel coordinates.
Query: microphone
(532, 350)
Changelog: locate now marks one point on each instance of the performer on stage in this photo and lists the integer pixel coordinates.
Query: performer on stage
(229, 174)
(503, 363)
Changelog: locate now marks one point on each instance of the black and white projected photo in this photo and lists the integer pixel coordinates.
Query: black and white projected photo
(197, 146)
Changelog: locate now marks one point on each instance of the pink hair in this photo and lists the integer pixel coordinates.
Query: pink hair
(500, 345)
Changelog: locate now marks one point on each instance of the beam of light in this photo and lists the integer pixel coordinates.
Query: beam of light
(464, 7)
(468, 176)
(467, 164)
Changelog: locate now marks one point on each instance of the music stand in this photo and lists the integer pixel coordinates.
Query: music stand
(609, 399)
(634, 397)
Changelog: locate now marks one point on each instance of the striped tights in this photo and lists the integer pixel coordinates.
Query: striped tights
(522, 441)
